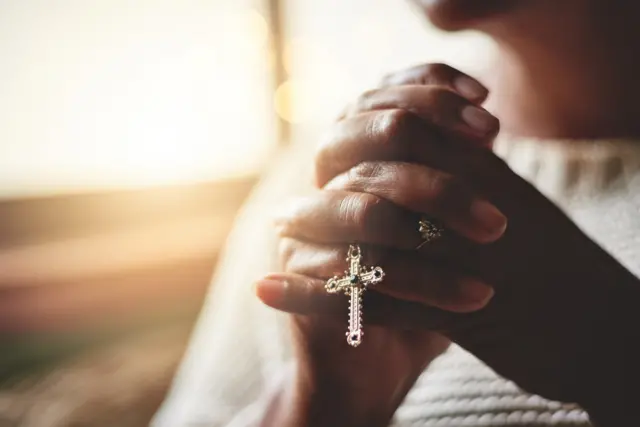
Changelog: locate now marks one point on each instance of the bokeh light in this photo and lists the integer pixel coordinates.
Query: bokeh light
(123, 93)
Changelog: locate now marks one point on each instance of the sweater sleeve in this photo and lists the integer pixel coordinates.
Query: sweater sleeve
(238, 346)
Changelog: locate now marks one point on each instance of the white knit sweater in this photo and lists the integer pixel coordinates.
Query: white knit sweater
(239, 345)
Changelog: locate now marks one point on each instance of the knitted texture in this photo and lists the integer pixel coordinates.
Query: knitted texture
(239, 346)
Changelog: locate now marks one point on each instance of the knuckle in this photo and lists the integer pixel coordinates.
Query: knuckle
(392, 125)
(361, 211)
(365, 171)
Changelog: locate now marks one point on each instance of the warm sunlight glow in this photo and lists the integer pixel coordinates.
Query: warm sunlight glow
(283, 101)
(321, 85)
(314, 99)
(119, 93)
(337, 50)
(302, 55)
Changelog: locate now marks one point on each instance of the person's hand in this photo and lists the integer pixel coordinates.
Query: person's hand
(364, 385)
(559, 323)
(334, 384)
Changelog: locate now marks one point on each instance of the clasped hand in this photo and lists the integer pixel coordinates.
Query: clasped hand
(513, 280)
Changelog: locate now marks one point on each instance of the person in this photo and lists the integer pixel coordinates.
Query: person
(523, 312)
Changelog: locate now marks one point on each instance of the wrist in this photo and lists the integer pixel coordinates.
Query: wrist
(610, 386)
(312, 400)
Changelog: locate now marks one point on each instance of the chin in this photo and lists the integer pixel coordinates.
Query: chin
(453, 15)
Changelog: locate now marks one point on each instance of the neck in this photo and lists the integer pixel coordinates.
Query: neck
(568, 74)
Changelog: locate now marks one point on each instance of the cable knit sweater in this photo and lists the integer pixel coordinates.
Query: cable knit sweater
(239, 345)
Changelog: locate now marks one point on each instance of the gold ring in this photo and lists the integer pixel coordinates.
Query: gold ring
(429, 230)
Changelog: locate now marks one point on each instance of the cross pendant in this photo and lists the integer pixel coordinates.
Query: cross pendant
(354, 283)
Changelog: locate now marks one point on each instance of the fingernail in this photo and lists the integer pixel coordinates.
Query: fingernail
(271, 291)
(470, 88)
(478, 119)
(489, 218)
(475, 292)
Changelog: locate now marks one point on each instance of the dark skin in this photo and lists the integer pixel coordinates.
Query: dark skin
(536, 299)
(324, 363)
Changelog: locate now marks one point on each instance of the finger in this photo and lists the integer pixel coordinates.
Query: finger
(298, 294)
(439, 75)
(381, 135)
(342, 216)
(447, 110)
(435, 74)
(394, 134)
(303, 295)
(438, 194)
(325, 260)
(408, 276)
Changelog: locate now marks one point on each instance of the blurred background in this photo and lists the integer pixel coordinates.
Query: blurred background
(131, 131)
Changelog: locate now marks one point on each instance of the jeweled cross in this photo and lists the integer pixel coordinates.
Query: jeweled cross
(353, 284)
